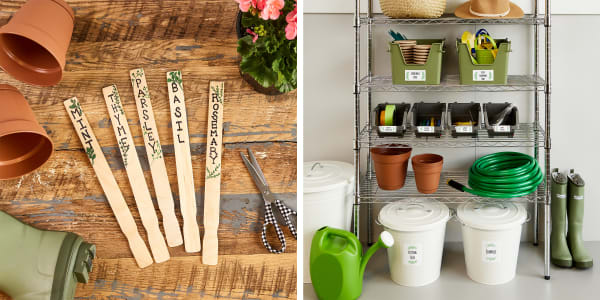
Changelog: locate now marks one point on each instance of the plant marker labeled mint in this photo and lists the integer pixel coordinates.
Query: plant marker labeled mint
(109, 184)
(183, 162)
(212, 183)
(135, 174)
(156, 161)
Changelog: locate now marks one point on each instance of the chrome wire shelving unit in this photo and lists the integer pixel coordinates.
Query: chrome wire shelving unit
(535, 135)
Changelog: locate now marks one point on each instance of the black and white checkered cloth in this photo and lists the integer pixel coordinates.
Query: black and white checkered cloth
(270, 219)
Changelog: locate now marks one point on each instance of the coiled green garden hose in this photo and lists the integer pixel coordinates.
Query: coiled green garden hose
(502, 175)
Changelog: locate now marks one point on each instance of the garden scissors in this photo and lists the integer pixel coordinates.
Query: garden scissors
(269, 198)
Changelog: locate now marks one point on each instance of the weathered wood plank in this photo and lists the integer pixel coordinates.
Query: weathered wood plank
(267, 276)
(138, 20)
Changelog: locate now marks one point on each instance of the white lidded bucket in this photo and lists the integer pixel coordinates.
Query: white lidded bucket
(491, 233)
(418, 227)
(328, 197)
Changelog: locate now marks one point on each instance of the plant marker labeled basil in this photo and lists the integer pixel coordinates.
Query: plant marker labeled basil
(141, 194)
(183, 162)
(212, 183)
(156, 161)
(109, 184)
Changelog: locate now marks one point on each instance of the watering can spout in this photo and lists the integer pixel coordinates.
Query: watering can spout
(386, 240)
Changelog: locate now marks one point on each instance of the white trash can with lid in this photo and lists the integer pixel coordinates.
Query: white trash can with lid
(328, 198)
(491, 233)
(418, 227)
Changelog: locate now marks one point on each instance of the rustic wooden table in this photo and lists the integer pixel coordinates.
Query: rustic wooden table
(199, 38)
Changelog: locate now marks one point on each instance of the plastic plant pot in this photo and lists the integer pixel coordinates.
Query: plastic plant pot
(427, 168)
(391, 162)
(24, 143)
(34, 43)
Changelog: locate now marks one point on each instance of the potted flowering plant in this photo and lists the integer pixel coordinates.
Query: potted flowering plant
(267, 43)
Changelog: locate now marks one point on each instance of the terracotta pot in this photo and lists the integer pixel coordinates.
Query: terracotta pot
(241, 32)
(34, 43)
(428, 168)
(391, 161)
(24, 144)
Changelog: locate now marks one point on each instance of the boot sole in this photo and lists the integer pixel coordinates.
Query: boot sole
(584, 264)
(562, 263)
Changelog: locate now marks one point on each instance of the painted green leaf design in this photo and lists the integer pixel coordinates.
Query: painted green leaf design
(213, 173)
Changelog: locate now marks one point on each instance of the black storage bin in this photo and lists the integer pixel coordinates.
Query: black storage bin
(399, 125)
(507, 127)
(422, 115)
(458, 113)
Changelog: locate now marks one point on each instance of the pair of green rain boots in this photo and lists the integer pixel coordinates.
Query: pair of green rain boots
(566, 241)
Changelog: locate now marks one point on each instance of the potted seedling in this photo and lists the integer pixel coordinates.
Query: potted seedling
(267, 44)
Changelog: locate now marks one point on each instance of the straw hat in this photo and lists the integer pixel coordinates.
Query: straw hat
(489, 9)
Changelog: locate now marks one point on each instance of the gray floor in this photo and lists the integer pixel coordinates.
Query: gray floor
(566, 284)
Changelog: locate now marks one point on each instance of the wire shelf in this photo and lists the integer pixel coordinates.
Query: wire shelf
(371, 193)
(451, 83)
(525, 136)
(451, 19)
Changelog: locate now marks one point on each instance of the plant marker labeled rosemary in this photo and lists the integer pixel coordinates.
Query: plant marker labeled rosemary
(162, 188)
(183, 162)
(109, 184)
(212, 184)
(135, 174)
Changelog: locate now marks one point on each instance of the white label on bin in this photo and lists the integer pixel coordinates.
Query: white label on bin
(425, 129)
(490, 252)
(413, 254)
(387, 129)
(502, 128)
(414, 75)
(483, 75)
(464, 129)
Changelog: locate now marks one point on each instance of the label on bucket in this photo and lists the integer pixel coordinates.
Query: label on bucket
(387, 129)
(490, 251)
(412, 254)
(502, 128)
(425, 129)
(464, 129)
(483, 75)
(414, 75)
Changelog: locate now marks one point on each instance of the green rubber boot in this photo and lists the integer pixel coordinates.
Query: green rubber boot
(559, 249)
(41, 264)
(575, 213)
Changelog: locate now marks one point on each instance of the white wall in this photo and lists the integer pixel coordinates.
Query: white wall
(328, 100)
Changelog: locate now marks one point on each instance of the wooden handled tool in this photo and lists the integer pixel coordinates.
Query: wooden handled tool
(109, 184)
(135, 174)
(212, 184)
(162, 188)
(183, 161)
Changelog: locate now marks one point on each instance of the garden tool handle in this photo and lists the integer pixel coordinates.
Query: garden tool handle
(270, 219)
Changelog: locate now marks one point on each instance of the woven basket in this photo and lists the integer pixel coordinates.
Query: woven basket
(413, 8)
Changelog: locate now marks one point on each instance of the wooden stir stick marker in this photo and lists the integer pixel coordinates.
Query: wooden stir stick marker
(212, 183)
(109, 184)
(156, 161)
(183, 161)
(135, 174)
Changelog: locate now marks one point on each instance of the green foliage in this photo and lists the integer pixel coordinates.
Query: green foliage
(175, 76)
(218, 90)
(214, 173)
(90, 153)
(271, 60)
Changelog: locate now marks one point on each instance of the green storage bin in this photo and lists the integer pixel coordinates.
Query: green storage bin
(476, 74)
(429, 73)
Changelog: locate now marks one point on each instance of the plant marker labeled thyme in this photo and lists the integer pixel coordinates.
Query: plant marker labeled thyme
(162, 188)
(212, 183)
(109, 184)
(183, 162)
(135, 174)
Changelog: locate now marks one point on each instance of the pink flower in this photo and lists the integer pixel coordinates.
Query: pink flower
(260, 4)
(254, 35)
(245, 4)
(272, 9)
(291, 28)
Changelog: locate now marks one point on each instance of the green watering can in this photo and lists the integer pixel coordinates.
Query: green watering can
(337, 264)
